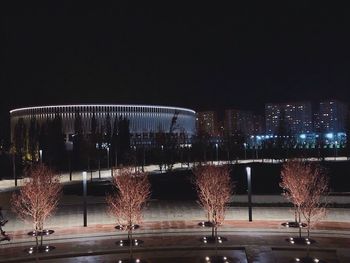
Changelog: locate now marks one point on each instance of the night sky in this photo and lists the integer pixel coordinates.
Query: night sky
(196, 56)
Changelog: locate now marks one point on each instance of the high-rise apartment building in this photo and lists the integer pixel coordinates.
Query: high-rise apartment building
(244, 122)
(297, 117)
(331, 117)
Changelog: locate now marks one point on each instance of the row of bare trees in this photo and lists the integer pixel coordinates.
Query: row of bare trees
(304, 185)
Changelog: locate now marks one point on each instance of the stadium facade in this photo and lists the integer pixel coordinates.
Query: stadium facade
(143, 119)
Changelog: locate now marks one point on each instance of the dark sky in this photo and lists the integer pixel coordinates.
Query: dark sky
(196, 56)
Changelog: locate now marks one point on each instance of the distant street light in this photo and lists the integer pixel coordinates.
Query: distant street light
(217, 153)
(245, 150)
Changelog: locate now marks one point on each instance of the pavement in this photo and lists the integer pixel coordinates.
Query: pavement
(170, 229)
(180, 241)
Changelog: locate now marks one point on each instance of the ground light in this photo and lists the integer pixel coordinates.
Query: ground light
(294, 224)
(205, 224)
(217, 259)
(309, 260)
(131, 260)
(39, 249)
(121, 227)
(300, 241)
(212, 240)
(126, 242)
(44, 232)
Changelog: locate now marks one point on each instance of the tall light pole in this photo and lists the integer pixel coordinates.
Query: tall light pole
(41, 155)
(335, 150)
(135, 156)
(84, 198)
(217, 153)
(107, 157)
(144, 158)
(162, 159)
(249, 182)
(245, 150)
(256, 151)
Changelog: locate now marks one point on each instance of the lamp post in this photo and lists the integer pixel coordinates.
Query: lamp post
(245, 150)
(249, 181)
(107, 157)
(135, 157)
(335, 150)
(144, 158)
(217, 153)
(162, 159)
(84, 199)
(41, 155)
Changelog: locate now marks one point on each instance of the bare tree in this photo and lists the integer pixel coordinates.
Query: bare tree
(133, 190)
(37, 198)
(314, 206)
(303, 185)
(214, 189)
(293, 184)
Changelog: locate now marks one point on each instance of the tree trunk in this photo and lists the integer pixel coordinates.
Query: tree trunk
(212, 231)
(36, 238)
(70, 166)
(130, 241)
(41, 238)
(299, 224)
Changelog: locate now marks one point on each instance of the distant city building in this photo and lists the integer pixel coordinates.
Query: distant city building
(207, 122)
(297, 117)
(242, 122)
(331, 117)
(259, 124)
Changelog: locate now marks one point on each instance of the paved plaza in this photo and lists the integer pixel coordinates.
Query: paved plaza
(72, 215)
(171, 232)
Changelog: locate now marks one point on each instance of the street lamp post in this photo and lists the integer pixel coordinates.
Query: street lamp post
(245, 150)
(162, 159)
(135, 156)
(41, 155)
(217, 153)
(249, 181)
(84, 199)
(335, 150)
(144, 158)
(107, 157)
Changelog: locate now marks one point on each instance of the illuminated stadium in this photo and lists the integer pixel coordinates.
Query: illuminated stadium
(144, 119)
